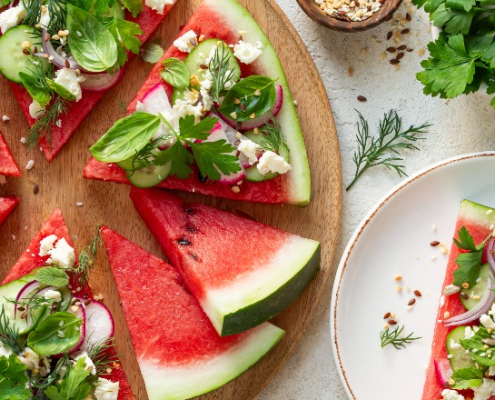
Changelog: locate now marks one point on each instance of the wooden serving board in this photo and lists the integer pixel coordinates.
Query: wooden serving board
(61, 185)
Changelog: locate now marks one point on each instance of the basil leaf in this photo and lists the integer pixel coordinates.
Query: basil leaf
(175, 73)
(60, 90)
(255, 96)
(56, 334)
(37, 93)
(95, 50)
(466, 378)
(483, 356)
(126, 137)
(52, 276)
(134, 6)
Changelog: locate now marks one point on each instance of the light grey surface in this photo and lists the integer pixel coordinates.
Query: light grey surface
(462, 125)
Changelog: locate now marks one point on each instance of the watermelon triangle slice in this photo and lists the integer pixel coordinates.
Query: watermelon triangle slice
(30, 260)
(148, 21)
(242, 272)
(479, 221)
(7, 205)
(224, 19)
(178, 350)
(8, 166)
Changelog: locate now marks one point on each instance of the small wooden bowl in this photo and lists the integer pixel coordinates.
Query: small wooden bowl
(383, 14)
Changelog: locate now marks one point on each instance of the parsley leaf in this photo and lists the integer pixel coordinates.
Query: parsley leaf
(181, 160)
(74, 387)
(449, 69)
(13, 379)
(214, 156)
(190, 130)
(466, 241)
(453, 21)
(134, 6)
(128, 32)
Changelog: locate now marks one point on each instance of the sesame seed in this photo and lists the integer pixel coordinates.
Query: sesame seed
(5, 118)
(446, 314)
(236, 189)
(30, 165)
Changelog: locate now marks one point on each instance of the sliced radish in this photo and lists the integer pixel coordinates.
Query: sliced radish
(443, 371)
(101, 82)
(99, 325)
(216, 134)
(156, 101)
(262, 119)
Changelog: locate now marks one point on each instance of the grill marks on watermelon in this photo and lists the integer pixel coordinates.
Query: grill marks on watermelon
(7, 205)
(8, 166)
(473, 216)
(148, 21)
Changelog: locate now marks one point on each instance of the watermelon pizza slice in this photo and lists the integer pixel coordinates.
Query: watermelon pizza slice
(215, 116)
(61, 57)
(51, 326)
(7, 205)
(463, 352)
(8, 167)
(241, 271)
(178, 350)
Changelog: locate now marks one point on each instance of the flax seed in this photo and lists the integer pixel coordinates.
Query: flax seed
(362, 98)
(417, 293)
(386, 315)
(434, 243)
(411, 302)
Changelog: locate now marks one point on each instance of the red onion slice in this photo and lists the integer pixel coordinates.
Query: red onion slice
(443, 371)
(478, 310)
(23, 294)
(490, 252)
(57, 59)
(101, 82)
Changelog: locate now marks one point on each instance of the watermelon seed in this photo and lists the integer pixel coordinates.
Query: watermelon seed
(202, 178)
(183, 242)
(195, 258)
(188, 210)
(191, 229)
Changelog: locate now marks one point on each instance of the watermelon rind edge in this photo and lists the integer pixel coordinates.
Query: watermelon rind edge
(477, 213)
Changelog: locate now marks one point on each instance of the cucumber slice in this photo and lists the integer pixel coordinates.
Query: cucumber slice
(149, 176)
(23, 325)
(478, 290)
(13, 60)
(252, 173)
(459, 358)
(66, 298)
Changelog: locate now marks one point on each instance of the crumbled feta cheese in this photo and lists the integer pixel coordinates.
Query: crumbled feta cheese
(90, 366)
(185, 43)
(106, 390)
(70, 80)
(206, 84)
(47, 244)
(45, 17)
(11, 17)
(448, 394)
(487, 322)
(491, 370)
(158, 5)
(272, 162)
(450, 290)
(36, 110)
(454, 345)
(29, 358)
(246, 53)
(5, 351)
(485, 391)
(468, 333)
(62, 254)
(206, 100)
(53, 295)
(248, 148)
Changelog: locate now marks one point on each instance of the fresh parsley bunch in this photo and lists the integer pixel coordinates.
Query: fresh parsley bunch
(463, 57)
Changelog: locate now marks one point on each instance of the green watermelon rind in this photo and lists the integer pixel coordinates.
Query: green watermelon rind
(203, 376)
(477, 213)
(240, 307)
(239, 19)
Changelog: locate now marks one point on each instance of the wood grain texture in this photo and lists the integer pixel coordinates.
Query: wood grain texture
(61, 185)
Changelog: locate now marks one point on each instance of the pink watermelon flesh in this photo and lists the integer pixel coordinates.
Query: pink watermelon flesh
(477, 222)
(8, 165)
(148, 20)
(206, 22)
(215, 250)
(168, 329)
(7, 205)
(30, 260)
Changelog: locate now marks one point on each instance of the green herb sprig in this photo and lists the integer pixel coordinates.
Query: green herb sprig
(219, 67)
(101, 355)
(86, 258)
(394, 338)
(391, 139)
(9, 336)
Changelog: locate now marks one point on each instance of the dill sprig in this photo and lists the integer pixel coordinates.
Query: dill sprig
(219, 68)
(273, 136)
(9, 336)
(86, 259)
(372, 149)
(101, 355)
(34, 302)
(33, 11)
(43, 125)
(393, 337)
(55, 375)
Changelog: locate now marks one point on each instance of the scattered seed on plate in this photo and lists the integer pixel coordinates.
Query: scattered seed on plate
(362, 98)
(417, 293)
(411, 302)
(386, 315)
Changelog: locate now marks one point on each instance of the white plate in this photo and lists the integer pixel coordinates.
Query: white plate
(393, 239)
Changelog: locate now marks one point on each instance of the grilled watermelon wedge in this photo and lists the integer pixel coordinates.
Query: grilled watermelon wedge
(224, 19)
(148, 21)
(178, 350)
(479, 221)
(242, 272)
(7, 205)
(8, 166)
(30, 260)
